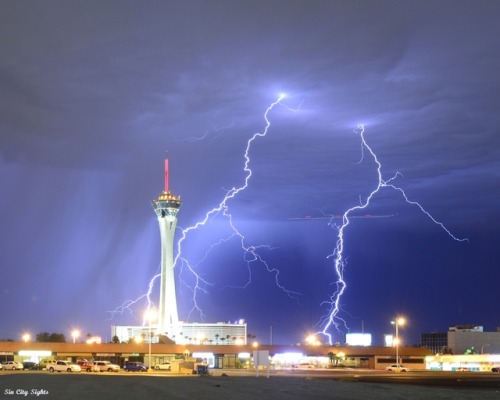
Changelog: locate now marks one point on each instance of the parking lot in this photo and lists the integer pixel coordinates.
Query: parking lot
(244, 384)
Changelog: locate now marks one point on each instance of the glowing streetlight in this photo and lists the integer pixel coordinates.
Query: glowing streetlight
(138, 339)
(75, 334)
(312, 340)
(397, 322)
(150, 316)
(26, 337)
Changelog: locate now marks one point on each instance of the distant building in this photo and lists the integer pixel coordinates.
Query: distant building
(462, 339)
(190, 333)
(473, 340)
(466, 328)
(437, 342)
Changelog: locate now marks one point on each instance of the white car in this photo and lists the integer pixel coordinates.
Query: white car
(106, 366)
(397, 368)
(166, 365)
(64, 366)
(13, 365)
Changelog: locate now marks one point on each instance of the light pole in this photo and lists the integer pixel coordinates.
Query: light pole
(150, 315)
(26, 337)
(398, 321)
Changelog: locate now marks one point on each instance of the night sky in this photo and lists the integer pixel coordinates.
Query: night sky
(93, 94)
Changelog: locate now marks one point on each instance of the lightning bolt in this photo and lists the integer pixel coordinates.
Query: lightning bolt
(251, 252)
(332, 319)
(128, 304)
(208, 132)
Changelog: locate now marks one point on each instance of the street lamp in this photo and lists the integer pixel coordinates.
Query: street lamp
(26, 337)
(75, 334)
(138, 339)
(398, 321)
(150, 316)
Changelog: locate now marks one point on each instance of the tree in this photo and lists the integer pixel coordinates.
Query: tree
(115, 339)
(42, 337)
(332, 356)
(50, 337)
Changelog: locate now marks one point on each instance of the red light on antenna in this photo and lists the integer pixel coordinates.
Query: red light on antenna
(166, 175)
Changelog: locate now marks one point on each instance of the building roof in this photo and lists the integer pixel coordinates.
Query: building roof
(158, 348)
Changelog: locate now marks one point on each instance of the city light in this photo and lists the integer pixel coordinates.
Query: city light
(312, 340)
(75, 334)
(26, 337)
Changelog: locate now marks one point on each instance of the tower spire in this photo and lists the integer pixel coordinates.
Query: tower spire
(166, 175)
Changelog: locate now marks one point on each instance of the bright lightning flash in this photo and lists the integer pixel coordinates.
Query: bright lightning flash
(251, 252)
(332, 319)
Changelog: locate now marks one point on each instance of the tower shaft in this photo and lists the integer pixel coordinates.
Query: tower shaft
(168, 316)
(166, 207)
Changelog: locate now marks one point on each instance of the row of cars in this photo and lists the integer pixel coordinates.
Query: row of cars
(129, 366)
(81, 365)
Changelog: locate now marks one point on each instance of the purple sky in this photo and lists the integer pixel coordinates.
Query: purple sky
(93, 93)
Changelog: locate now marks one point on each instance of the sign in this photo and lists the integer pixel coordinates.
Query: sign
(261, 357)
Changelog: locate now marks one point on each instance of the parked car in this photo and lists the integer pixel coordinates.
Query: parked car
(166, 365)
(303, 366)
(495, 369)
(13, 365)
(135, 366)
(44, 364)
(397, 368)
(66, 366)
(31, 365)
(106, 366)
(87, 366)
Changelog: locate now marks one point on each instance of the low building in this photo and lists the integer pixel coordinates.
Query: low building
(463, 362)
(462, 339)
(218, 356)
(190, 333)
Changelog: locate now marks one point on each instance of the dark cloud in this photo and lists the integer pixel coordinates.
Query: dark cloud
(93, 93)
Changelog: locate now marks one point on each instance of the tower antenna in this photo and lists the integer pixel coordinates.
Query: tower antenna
(166, 175)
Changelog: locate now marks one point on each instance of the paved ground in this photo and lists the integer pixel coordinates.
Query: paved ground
(119, 387)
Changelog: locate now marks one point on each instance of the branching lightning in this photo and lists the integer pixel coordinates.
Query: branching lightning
(251, 252)
(332, 320)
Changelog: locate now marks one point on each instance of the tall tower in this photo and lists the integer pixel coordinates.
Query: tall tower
(166, 207)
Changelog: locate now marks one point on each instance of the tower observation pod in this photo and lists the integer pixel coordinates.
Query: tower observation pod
(166, 207)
